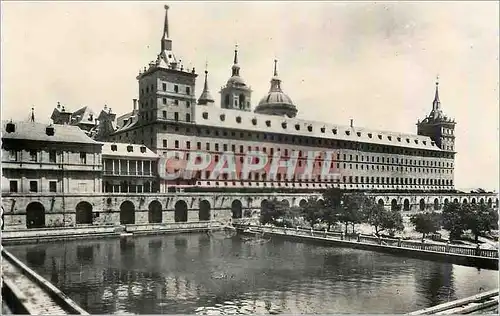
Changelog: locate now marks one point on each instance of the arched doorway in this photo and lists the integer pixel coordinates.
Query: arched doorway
(285, 203)
(455, 200)
(236, 209)
(155, 214)
(481, 201)
(127, 213)
(204, 212)
(302, 203)
(422, 204)
(406, 205)
(181, 211)
(436, 204)
(381, 202)
(83, 213)
(394, 205)
(465, 201)
(446, 201)
(35, 215)
(490, 202)
(473, 201)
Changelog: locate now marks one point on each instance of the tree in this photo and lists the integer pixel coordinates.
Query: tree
(426, 223)
(352, 209)
(480, 219)
(332, 204)
(313, 211)
(272, 211)
(384, 220)
(453, 217)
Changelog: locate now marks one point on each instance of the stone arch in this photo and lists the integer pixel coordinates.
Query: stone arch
(481, 201)
(465, 201)
(302, 202)
(473, 201)
(321, 201)
(381, 202)
(83, 213)
(236, 209)
(204, 211)
(421, 204)
(394, 204)
(155, 214)
(446, 201)
(35, 215)
(127, 213)
(285, 203)
(436, 204)
(181, 211)
(490, 202)
(406, 205)
(455, 200)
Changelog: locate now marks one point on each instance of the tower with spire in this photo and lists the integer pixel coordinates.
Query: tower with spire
(236, 94)
(166, 94)
(438, 126)
(205, 97)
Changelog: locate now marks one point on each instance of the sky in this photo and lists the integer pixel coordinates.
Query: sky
(375, 63)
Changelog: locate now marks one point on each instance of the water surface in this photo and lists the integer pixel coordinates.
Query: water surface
(179, 273)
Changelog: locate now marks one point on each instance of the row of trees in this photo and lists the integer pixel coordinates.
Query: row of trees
(356, 208)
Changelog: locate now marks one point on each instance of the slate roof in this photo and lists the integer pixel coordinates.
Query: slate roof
(37, 132)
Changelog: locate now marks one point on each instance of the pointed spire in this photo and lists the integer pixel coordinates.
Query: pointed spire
(205, 97)
(436, 95)
(236, 67)
(166, 42)
(275, 81)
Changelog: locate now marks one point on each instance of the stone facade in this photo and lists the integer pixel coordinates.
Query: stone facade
(121, 208)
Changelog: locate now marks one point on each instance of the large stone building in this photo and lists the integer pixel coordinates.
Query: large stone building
(168, 119)
(58, 176)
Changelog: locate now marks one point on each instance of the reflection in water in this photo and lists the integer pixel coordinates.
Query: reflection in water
(183, 273)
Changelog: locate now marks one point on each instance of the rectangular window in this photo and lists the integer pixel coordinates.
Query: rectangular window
(176, 144)
(188, 145)
(225, 147)
(33, 186)
(53, 186)
(164, 143)
(33, 155)
(198, 145)
(164, 100)
(52, 156)
(188, 90)
(216, 147)
(176, 88)
(12, 155)
(176, 116)
(208, 146)
(164, 86)
(83, 157)
(13, 186)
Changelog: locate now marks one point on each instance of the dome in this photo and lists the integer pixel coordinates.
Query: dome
(276, 102)
(236, 81)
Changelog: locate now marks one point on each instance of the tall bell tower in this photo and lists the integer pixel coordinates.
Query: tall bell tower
(437, 126)
(236, 94)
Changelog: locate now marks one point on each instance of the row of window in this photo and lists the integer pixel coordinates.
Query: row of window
(35, 156)
(310, 128)
(14, 186)
(302, 155)
(318, 178)
(296, 140)
(187, 90)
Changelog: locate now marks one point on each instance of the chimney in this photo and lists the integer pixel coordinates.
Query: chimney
(352, 125)
(135, 104)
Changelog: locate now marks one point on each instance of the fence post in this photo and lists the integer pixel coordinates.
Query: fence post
(359, 237)
(312, 234)
(478, 250)
(447, 247)
(342, 236)
(422, 245)
(399, 242)
(325, 232)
